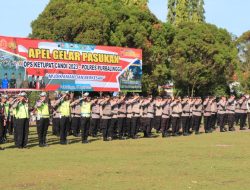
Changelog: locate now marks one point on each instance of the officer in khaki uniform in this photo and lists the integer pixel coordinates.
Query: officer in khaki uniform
(106, 118)
(43, 115)
(214, 113)
(158, 114)
(221, 113)
(114, 117)
(243, 112)
(55, 116)
(22, 120)
(165, 121)
(95, 117)
(122, 109)
(185, 116)
(176, 111)
(197, 115)
(75, 117)
(63, 104)
(135, 122)
(230, 111)
(207, 105)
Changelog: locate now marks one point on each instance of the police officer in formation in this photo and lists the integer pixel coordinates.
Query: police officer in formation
(118, 117)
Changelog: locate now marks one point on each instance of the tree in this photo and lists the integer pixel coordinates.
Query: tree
(197, 12)
(203, 58)
(124, 23)
(171, 11)
(243, 70)
(186, 10)
(182, 12)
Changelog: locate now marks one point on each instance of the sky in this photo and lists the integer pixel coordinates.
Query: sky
(233, 15)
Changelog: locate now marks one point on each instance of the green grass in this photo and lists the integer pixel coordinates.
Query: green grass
(218, 161)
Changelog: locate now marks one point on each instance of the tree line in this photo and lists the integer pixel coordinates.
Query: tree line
(200, 58)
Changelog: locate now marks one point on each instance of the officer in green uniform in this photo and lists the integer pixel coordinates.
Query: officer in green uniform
(4, 117)
(43, 115)
(85, 117)
(22, 120)
(63, 104)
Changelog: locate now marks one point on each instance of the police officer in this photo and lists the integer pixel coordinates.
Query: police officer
(64, 107)
(122, 109)
(230, 111)
(148, 115)
(106, 105)
(85, 116)
(55, 116)
(22, 120)
(165, 120)
(214, 113)
(248, 111)
(95, 116)
(75, 117)
(185, 117)
(2, 120)
(158, 113)
(221, 113)
(176, 111)
(135, 116)
(5, 112)
(114, 117)
(11, 117)
(197, 114)
(43, 115)
(207, 104)
(243, 112)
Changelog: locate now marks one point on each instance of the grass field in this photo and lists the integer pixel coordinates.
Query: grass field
(218, 161)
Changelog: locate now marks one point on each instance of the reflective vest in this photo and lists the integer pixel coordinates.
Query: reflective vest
(65, 108)
(85, 109)
(22, 111)
(6, 109)
(43, 111)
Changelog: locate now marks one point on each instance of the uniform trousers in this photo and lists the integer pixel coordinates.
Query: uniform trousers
(121, 126)
(196, 122)
(42, 129)
(207, 123)
(147, 126)
(1, 129)
(165, 126)
(185, 122)
(135, 123)
(248, 118)
(221, 121)
(64, 126)
(237, 118)
(231, 118)
(128, 126)
(105, 126)
(243, 117)
(75, 125)
(213, 120)
(94, 126)
(11, 125)
(56, 126)
(85, 123)
(175, 121)
(157, 123)
(114, 126)
(22, 132)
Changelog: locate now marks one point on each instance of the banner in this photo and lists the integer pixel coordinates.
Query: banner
(50, 66)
